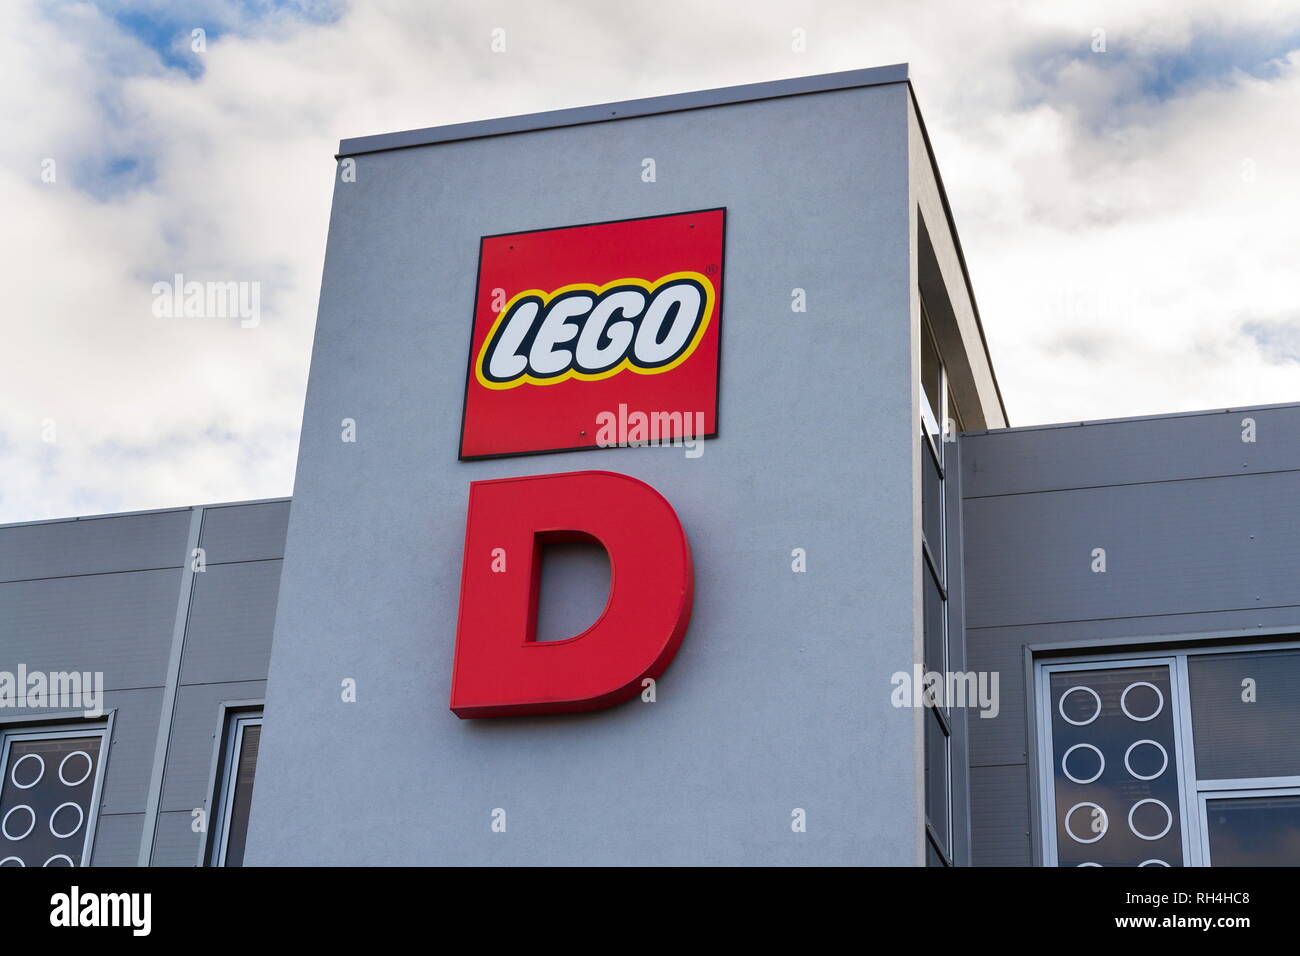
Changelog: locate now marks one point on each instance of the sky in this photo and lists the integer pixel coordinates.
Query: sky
(1123, 176)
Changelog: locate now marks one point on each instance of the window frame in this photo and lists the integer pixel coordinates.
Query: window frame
(1191, 789)
(1238, 793)
(233, 717)
(933, 435)
(62, 728)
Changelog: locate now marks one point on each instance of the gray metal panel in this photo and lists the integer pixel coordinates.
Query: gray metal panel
(119, 624)
(1209, 544)
(1000, 816)
(130, 755)
(232, 616)
(1200, 537)
(627, 109)
(176, 843)
(1002, 739)
(93, 545)
(117, 839)
(765, 708)
(189, 755)
(244, 532)
(1199, 445)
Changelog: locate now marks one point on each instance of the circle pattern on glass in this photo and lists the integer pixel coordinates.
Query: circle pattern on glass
(18, 860)
(59, 856)
(81, 818)
(1164, 755)
(1060, 706)
(90, 765)
(1065, 768)
(1123, 701)
(1105, 822)
(13, 771)
(1169, 819)
(1153, 863)
(4, 824)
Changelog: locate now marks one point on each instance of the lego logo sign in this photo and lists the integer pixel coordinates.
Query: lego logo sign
(571, 324)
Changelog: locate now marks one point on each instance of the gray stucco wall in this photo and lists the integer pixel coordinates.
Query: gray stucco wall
(101, 594)
(1201, 536)
(779, 696)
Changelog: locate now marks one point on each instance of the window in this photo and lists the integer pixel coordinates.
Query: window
(938, 727)
(50, 793)
(234, 792)
(1255, 828)
(933, 388)
(1185, 759)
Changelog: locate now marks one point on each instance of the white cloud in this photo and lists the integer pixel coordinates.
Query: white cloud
(1129, 217)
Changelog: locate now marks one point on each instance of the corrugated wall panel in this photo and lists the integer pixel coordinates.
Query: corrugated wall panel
(1140, 450)
(117, 839)
(1000, 739)
(1000, 815)
(232, 615)
(94, 545)
(130, 757)
(120, 624)
(176, 843)
(1210, 544)
(244, 532)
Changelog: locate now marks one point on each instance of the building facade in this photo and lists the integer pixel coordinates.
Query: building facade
(842, 615)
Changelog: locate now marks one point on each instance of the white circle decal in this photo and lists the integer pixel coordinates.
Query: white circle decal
(13, 771)
(90, 765)
(1101, 763)
(1123, 702)
(1154, 743)
(1105, 822)
(81, 818)
(4, 824)
(1079, 723)
(1169, 818)
(59, 856)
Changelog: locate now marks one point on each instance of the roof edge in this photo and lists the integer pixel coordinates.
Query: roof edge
(144, 511)
(961, 256)
(626, 109)
(1160, 416)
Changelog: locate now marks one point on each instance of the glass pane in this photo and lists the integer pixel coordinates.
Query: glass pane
(932, 507)
(1254, 831)
(936, 776)
(933, 624)
(46, 800)
(252, 736)
(1245, 711)
(931, 373)
(1115, 767)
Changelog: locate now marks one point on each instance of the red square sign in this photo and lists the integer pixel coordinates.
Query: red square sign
(596, 336)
